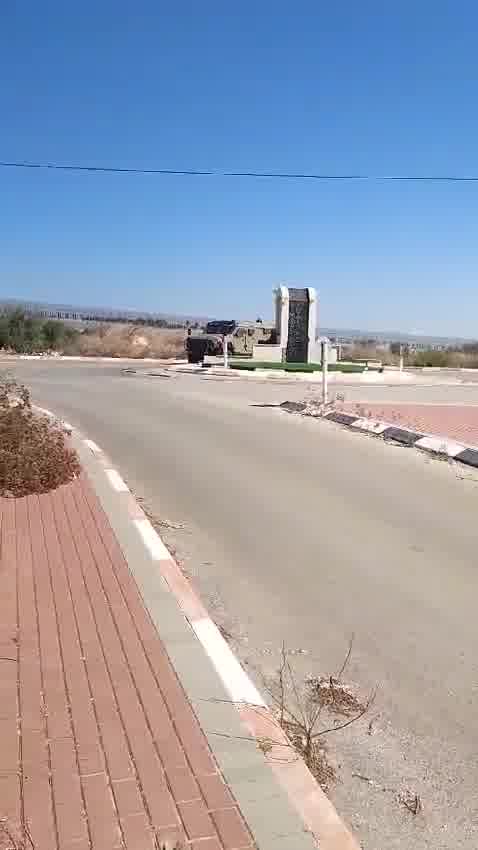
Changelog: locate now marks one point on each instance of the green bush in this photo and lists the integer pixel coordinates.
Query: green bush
(28, 335)
(431, 358)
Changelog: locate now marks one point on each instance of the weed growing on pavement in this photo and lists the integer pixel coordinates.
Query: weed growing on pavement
(299, 709)
(9, 840)
(34, 456)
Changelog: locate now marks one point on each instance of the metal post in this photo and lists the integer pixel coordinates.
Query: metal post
(325, 370)
(401, 359)
(225, 351)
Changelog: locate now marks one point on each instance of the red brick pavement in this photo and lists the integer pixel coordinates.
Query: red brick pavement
(457, 422)
(99, 746)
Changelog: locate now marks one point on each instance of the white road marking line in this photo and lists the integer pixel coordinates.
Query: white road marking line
(440, 445)
(234, 678)
(91, 445)
(116, 481)
(152, 541)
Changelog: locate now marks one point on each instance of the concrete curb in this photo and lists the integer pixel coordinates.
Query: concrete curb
(431, 443)
(280, 799)
(85, 358)
(385, 379)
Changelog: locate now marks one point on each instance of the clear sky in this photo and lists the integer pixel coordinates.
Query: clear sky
(369, 87)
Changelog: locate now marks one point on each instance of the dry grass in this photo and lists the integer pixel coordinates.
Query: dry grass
(34, 456)
(367, 352)
(450, 359)
(128, 341)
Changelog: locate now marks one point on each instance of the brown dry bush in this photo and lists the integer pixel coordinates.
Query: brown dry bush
(368, 352)
(34, 456)
(129, 341)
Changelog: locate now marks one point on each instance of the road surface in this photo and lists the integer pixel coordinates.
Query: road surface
(297, 531)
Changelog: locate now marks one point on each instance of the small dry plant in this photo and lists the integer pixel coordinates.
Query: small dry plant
(34, 456)
(300, 709)
(10, 840)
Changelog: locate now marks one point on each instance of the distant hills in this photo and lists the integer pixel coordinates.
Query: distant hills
(84, 314)
(75, 312)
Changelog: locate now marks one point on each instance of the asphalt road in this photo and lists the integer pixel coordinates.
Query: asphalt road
(298, 531)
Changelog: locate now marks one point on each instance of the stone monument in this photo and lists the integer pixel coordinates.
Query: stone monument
(296, 323)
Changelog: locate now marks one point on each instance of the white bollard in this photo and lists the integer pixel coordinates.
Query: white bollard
(325, 371)
(400, 367)
(225, 351)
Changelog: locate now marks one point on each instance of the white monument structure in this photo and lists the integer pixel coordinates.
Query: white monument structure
(295, 312)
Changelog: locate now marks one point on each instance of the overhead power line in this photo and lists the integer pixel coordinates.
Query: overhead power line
(271, 175)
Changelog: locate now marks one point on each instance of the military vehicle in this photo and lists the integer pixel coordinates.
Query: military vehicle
(241, 338)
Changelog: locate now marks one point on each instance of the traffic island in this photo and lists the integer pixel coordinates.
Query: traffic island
(445, 431)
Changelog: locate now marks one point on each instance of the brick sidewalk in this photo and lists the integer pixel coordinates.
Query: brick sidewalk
(456, 422)
(99, 746)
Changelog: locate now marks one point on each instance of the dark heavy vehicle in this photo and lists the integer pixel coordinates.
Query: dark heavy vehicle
(241, 338)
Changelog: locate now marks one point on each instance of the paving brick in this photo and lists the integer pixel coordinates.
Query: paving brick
(232, 829)
(10, 798)
(173, 756)
(197, 822)
(35, 755)
(194, 742)
(38, 809)
(54, 694)
(67, 797)
(162, 808)
(137, 832)
(128, 798)
(171, 836)
(208, 844)
(183, 785)
(113, 754)
(9, 753)
(216, 793)
(102, 695)
(102, 816)
(457, 422)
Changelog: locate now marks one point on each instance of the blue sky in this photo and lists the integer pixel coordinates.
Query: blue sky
(370, 87)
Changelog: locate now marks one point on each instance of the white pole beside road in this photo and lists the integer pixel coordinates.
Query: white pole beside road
(225, 351)
(325, 371)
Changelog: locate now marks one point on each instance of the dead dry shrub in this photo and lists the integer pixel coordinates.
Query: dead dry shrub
(14, 838)
(134, 341)
(34, 455)
(167, 343)
(300, 709)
